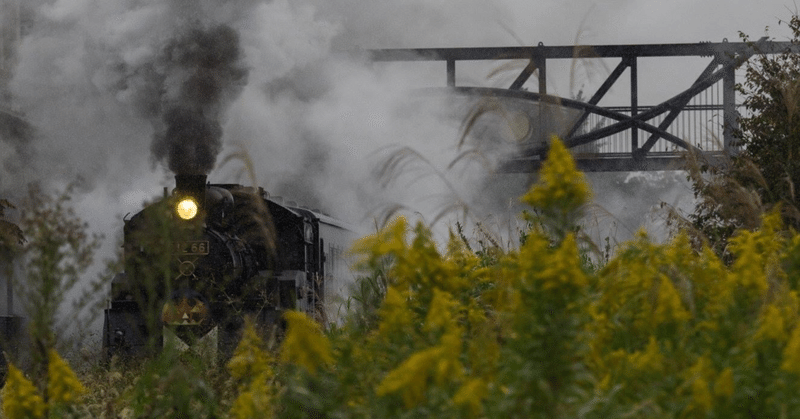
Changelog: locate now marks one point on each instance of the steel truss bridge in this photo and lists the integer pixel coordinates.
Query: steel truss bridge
(702, 118)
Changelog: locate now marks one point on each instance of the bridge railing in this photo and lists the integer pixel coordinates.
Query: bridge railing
(701, 126)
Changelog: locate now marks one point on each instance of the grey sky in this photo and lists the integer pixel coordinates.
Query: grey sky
(645, 21)
(464, 23)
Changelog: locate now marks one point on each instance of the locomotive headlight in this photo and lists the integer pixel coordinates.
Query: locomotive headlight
(186, 208)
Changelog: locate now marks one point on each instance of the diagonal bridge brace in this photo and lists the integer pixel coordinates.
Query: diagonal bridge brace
(625, 121)
(673, 105)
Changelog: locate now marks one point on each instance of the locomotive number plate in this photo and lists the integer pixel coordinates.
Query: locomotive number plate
(192, 247)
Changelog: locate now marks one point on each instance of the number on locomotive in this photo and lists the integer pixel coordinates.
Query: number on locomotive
(192, 247)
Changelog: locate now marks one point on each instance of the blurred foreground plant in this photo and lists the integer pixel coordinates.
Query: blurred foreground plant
(662, 330)
(251, 367)
(21, 399)
(57, 251)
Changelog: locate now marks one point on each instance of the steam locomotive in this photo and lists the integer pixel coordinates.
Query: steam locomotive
(200, 260)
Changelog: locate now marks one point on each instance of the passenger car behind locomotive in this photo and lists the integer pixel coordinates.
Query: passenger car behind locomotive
(202, 259)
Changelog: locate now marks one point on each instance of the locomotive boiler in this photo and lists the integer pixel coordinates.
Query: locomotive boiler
(206, 256)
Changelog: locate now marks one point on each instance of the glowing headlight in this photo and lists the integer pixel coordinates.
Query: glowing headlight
(187, 208)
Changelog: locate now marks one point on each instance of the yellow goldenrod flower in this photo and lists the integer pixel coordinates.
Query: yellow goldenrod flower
(701, 395)
(410, 377)
(771, 324)
(254, 402)
(304, 344)
(483, 350)
(713, 284)
(529, 260)
(471, 396)
(562, 269)
(669, 306)
(394, 313)
(723, 385)
(561, 186)
(390, 240)
(650, 360)
(698, 376)
(62, 385)
(604, 383)
(20, 398)
(448, 366)
(757, 253)
(457, 250)
(441, 312)
(249, 359)
(791, 353)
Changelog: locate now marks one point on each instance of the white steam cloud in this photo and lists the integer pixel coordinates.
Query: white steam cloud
(313, 114)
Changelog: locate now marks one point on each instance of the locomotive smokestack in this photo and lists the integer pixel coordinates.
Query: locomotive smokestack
(190, 184)
(190, 191)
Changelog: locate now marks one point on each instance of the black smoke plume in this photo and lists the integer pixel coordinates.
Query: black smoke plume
(190, 143)
(197, 74)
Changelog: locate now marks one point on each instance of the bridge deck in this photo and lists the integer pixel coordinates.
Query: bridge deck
(616, 162)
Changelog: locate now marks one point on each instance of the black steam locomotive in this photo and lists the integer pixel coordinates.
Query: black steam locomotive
(200, 260)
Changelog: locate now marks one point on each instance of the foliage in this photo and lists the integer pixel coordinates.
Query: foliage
(661, 330)
(57, 251)
(10, 233)
(561, 192)
(723, 204)
(770, 133)
(174, 385)
(304, 343)
(763, 173)
(21, 399)
(251, 366)
(11, 238)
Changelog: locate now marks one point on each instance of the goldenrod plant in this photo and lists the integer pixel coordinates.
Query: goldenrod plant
(661, 330)
(173, 385)
(22, 400)
(63, 386)
(252, 367)
(20, 397)
(561, 193)
(533, 331)
(304, 344)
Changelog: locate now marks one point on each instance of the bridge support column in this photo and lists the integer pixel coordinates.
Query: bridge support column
(634, 103)
(451, 73)
(730, 124)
